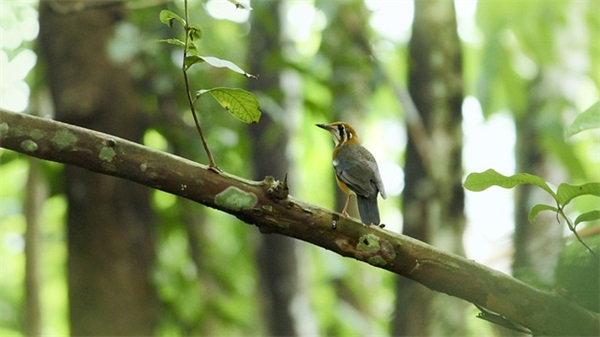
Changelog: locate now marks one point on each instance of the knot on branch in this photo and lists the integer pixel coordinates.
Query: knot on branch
(276, 189)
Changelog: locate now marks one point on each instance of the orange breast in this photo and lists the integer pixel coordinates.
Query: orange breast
(343, 186)
(340, 183)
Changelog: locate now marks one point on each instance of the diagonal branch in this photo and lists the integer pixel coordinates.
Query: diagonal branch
(267, 205)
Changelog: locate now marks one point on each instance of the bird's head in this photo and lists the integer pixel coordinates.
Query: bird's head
(341, 132)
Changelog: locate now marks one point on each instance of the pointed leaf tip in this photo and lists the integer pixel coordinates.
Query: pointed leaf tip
(238, 4)
(219, 63)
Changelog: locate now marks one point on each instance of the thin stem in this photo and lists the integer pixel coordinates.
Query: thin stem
(572, 229)
(211, 160)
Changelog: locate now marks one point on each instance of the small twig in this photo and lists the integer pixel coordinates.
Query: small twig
(497, 319)
(212, 165)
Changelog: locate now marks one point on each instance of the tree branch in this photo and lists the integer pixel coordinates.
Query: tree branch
(267, 205)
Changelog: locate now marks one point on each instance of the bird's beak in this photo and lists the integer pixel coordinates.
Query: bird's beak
(324, 126)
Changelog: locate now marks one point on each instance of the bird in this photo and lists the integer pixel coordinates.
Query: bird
(356, 171)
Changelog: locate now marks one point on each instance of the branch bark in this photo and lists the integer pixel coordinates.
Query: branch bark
(267, 205)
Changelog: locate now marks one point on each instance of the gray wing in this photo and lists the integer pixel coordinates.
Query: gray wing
(362, 176)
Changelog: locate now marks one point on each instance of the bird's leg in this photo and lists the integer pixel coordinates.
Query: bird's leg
(344, 212)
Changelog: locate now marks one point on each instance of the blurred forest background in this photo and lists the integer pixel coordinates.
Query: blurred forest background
(496, 84)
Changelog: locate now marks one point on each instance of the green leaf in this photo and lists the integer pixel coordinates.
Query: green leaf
(539, 208)
(241, 104)
(195, 32)
(477, 182)
(191, 59)
(587, 216)
(219, 63)
(192, 49)
(589, 119)
(176, 42)
(567, 192)
(193, 56)
(167, 17)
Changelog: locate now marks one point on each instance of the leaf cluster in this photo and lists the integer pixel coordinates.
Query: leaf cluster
(241, 104)
(562, 195)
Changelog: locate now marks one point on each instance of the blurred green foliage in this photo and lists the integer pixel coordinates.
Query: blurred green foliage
(578, 274)
(205, 272)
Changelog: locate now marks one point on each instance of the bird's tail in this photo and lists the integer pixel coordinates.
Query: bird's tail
(368, 209)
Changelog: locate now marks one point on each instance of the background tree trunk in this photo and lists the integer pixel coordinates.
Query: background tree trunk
(347, 46)
(433, 201)
(278, 256)
(37, 192)
(346, 43)
(110, 222)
